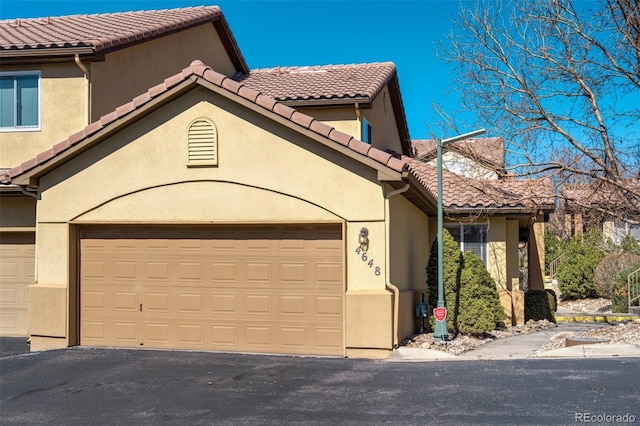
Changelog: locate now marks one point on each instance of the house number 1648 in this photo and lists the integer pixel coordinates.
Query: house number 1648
(364, 258)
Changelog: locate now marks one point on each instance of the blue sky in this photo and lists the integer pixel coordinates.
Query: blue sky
(287, 33)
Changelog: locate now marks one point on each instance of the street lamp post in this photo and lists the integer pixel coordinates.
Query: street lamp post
(441, 334)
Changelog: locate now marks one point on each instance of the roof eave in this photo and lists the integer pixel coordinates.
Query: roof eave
(362, 101)
(20, 55)
(230, 44)
(499, 210)
(420, 196)
(400, 116)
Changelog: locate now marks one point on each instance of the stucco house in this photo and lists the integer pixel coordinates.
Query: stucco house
(582, 206)
(184, 201)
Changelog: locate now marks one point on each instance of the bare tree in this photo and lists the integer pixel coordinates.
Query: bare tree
(560, 81)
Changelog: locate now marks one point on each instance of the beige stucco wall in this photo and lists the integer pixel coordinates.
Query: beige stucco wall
(497, 253)
(343, 119)
(504, 263)
(63, 100)
(129, 72)
(266, 173)
(380, 116)
(409, 254)
(383, 123)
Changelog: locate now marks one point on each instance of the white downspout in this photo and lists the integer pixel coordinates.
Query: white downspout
(387, 236)
(87, 76)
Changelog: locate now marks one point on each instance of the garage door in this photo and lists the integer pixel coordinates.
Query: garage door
(254, 289)
(17, 266)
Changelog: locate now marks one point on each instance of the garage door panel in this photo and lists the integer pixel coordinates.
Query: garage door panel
(17, 272)
(255, 289)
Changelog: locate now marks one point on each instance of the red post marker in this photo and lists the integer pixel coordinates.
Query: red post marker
(440, 313)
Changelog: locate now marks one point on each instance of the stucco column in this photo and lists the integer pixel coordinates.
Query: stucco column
(48, 297)
(500, 254)
(536, 255)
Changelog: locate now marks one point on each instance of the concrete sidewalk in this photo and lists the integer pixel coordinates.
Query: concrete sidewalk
(524, 346)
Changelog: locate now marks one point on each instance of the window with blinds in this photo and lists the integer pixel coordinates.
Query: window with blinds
(473, 238)
(202, 145)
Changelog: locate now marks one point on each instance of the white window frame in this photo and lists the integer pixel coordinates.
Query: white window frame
(38, 127)
(484, 244)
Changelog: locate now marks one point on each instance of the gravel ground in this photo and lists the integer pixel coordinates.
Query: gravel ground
(465, 342)
(628, 332)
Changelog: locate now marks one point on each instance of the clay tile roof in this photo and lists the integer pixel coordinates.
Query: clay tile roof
(488, 150)
(465, 193)
(598, 193)
(105, 31)
(196, 71)
(353, 81)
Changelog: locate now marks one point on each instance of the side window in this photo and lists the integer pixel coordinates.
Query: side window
(473, 238)
(366, 131)
(20, 101)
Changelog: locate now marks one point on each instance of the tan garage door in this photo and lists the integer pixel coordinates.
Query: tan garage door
(252, 289)
(17, 266)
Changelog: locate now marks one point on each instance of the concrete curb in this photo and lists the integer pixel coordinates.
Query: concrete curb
(595, 318)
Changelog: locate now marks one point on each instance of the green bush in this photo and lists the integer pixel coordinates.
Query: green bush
(620, 290)
(471, 298)
(476, 317)
(581, 257)
(452, 265)
(553, 300)
(537, 306)
(479, 302)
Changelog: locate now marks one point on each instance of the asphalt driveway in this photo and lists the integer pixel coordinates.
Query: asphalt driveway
(102, 386)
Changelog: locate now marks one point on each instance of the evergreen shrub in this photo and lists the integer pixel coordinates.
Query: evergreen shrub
(553, 299)
(581, 257)
(452, 266)
(479, 302)
(471, 298)
(537, 306)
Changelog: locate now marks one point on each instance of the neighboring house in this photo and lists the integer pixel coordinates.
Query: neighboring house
(211, 207)
(583, 206)
(491, 213)
(477, 158)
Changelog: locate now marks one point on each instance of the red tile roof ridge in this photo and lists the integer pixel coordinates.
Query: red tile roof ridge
(49, 18)
(319, 67)
(199, 69)
(32, 33)
(321, 82)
